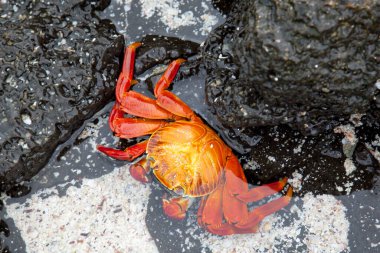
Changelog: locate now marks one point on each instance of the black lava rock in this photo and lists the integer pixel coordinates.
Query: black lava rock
(58, 65)
(320, 160)
(294, 62)
(162, 50)
(282, 75)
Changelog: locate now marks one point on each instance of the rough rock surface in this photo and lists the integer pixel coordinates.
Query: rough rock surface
(58, 65)
(294, 62)
(306, 65)
(161, 49)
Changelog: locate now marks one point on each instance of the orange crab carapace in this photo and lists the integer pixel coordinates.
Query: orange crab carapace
(186, 156)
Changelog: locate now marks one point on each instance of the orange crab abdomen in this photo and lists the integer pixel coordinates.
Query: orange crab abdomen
(189, 156)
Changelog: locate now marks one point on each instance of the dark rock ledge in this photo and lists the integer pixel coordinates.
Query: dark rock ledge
(58, 65)
(294, 62)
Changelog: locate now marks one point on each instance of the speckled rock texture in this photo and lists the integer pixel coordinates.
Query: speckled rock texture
(294, 62)
(162, 50)
(58, 65)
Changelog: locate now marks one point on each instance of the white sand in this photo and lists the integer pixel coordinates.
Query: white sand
(173, 16)
(105, 214)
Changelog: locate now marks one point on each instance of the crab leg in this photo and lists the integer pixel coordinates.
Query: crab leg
(128, 154)
(132, 102)
(124, 81)
(175, 105)
(139, 105)
(135, 127)
(168, 100)
(235, 210)
(262, 191)
(210, 215)
(223, 213)
(237, 186)
(115, 114)
(259, 213)
(168, 77)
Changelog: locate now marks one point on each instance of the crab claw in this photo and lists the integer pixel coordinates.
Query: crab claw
(140, 170)
(175, 208)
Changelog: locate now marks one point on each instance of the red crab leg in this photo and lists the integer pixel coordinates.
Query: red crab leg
(211, 216)
(237, 186)
(168, 77)
(132, 102)
(262, 191)
(124, 81)
(250, 220)
(118, 123)
(139, 105)
(175, 105)
(135, 127)
(140, 170)
(168, 100)
(115, 114)
(128, 154)
(223, 203)
(235, 211)
(259, 213)
(212, 212)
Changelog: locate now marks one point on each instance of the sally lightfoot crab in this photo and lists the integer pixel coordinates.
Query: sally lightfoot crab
(186, 156)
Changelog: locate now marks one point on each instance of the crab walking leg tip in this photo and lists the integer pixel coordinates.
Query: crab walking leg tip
(289, 193)
(180, 60)
(135, 45)
(284, 180)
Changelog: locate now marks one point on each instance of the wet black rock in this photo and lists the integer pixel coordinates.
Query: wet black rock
(282, 75)
(162, 50)
(223, 6)
(294, 62)
(319, 161)
(58, 65)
